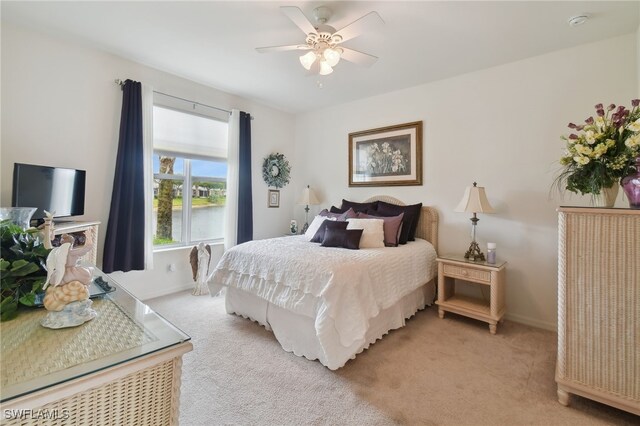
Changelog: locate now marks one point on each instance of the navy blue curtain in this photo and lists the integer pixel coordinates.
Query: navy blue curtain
(245, 196)
(124, 241)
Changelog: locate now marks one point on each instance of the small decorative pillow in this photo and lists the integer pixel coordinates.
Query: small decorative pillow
(392, 227)
(358, 207)
(345, 238)
(331, 223)
(373, 235)
(339, 216)
(336, 210)
(314, 226)
(327, 213)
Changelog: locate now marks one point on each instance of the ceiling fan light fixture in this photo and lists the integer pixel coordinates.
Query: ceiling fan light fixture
(325, 68)
(322, 40)
(331, 56)
(308, 59)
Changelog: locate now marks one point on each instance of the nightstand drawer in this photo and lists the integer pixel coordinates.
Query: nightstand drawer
(466, 273)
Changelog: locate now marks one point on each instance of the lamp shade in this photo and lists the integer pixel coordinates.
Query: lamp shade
(325, 68)
(474, 200)
(308, 59)
(332, 56)
(308, 197)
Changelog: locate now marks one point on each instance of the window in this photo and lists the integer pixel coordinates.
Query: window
(190, 174)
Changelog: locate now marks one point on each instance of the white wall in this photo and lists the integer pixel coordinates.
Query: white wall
(61, 107)
(499, 127)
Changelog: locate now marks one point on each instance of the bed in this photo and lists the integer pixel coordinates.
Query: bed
(330, 304)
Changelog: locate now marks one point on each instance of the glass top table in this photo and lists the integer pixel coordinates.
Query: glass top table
(33, 357)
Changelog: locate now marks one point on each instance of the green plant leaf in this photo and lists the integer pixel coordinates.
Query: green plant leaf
(41, 251)
(36, 286)
(22, 261)
(17, 264)
(8, 282)
(8, 309)
(28, 299)
(21, 268)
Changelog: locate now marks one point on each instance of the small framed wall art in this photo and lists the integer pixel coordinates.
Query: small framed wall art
(274, 198)
(387, 156)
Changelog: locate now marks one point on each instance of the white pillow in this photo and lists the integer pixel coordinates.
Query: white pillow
(315, 225)
(373, 234)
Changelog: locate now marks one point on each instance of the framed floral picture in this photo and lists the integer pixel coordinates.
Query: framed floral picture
(388, 156)
(274, 198)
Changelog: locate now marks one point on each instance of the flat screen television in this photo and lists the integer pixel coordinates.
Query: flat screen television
(55, 189)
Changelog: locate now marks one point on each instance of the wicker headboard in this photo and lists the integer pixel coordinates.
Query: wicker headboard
(427, 224)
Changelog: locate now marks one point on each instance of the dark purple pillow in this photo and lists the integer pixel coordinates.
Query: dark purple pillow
(392, 227)
(339, 216)
(345, 238)
(358, 207)
(327, 213)
(319, 236)
(409, 222)
(336, 210)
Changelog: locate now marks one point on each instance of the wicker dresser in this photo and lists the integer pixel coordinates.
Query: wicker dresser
(599, 306)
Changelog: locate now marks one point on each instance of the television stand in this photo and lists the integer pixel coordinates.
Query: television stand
(90, 230)
(39, 222)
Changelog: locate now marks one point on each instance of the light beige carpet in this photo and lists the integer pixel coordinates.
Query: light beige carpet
(431, 372)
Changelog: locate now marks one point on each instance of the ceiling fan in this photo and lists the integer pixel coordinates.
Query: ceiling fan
(323, 42)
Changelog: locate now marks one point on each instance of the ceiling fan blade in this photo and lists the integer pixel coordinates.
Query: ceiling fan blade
(359, 26)
(359, 58)
(298, 18)
(282, 48)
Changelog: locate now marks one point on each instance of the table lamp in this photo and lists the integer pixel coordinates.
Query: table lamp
(308, 198)
(474, 201)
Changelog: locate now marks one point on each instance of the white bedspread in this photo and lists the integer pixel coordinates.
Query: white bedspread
(337, 287)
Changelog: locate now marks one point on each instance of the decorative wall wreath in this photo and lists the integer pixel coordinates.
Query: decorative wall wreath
(276, 170)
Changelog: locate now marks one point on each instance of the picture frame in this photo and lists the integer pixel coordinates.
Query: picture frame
(273, 200)
(386, 156)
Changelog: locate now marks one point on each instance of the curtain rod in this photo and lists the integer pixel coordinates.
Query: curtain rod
(121, 83)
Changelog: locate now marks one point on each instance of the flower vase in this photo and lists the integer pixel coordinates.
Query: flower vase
(631, 186)
(20, 216)
(606, 198)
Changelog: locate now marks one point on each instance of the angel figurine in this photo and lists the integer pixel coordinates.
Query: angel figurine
(67, 294)
(200, 259)
(62, 263)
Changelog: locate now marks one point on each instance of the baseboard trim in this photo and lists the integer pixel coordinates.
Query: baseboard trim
(189, 285)
(532, 322)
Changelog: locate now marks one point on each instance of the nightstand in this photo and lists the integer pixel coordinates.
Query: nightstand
(456, 267)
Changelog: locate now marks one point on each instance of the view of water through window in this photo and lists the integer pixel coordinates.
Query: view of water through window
(207, 223)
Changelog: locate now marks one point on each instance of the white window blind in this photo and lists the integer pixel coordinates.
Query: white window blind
(187, 135)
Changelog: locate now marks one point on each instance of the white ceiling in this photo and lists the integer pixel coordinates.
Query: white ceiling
(421, 41)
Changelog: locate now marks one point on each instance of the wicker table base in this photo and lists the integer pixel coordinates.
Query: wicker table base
(144, 391)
